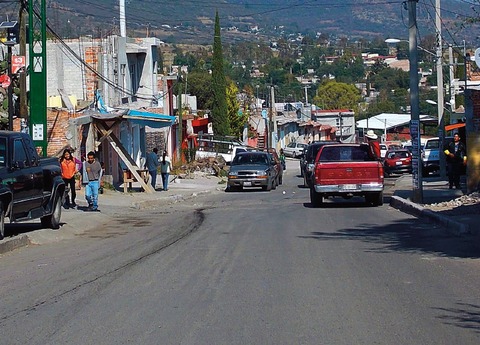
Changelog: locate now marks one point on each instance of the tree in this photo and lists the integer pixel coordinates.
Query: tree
(220, 119)
(334, 95)
(236, 118)
(200, 85)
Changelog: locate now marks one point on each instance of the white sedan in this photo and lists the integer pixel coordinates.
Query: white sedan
(294, 149)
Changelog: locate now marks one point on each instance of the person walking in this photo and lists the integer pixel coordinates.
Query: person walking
(456, 157)
(69, 170)
(93, 173)
(151, 164)
(165, 169)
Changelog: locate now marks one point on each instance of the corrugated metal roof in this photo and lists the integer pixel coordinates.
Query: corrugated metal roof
(387, 121)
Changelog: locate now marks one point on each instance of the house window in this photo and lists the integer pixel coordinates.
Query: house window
(133, 78)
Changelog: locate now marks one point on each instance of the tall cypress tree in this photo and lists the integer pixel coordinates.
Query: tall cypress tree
(221, 125)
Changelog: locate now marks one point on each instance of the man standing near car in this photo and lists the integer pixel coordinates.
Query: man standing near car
(93, 171)
(456, 157)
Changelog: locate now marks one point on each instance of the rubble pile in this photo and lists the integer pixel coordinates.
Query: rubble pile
(472, 199)
(216, 166)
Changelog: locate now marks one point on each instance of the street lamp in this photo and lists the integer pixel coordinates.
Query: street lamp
(396, 40)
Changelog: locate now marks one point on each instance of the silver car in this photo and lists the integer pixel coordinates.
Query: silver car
(252, 169)
(294, 149)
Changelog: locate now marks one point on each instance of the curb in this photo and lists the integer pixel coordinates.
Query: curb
(9, 244)
(452, 227)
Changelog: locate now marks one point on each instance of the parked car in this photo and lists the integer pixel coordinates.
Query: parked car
(31, 187)
(294, 149)
(397, 162)
(252, 169)
(383, 150)
(347, 170)
(302, 160)
(431, 154)
(308, 159)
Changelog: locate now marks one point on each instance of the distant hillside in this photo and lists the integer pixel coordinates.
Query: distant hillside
(192, 21)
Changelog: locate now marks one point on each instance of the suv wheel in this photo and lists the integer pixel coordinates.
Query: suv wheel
(316, 199)
(53, 220)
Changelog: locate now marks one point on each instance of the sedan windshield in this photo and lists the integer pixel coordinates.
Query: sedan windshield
(243, 159)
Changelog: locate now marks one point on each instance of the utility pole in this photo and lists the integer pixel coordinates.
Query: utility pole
(180, 124)
(440, 97)
(38, 74)
(123, 20)
(306, 94)
(453, 105)
(417, 196)
(273, 121)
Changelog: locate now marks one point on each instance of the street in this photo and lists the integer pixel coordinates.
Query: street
(248, 267)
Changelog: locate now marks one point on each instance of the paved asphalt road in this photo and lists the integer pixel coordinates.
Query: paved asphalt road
(246, 268)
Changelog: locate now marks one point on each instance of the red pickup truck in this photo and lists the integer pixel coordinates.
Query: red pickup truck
(347, 170)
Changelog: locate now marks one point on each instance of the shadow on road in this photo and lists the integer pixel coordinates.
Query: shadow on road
(16, 229)
(411, 235)
(467, 315)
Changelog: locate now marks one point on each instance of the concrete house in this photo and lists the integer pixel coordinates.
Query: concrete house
(342, 119)
(118, 73)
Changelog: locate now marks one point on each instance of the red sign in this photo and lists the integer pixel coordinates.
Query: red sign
(18, 62)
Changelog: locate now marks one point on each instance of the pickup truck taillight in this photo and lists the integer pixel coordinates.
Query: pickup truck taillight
(380, 171)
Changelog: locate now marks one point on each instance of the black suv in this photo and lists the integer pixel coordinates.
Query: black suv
(308, 159)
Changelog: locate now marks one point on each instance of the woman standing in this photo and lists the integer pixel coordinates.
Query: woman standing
(69, 169)
(165, 169)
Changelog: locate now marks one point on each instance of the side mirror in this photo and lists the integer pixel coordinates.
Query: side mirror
(19, 165)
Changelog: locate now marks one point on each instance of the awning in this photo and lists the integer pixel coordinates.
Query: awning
(149, 119)
(454, 126)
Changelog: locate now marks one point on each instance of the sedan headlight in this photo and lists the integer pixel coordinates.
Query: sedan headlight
(262, 174)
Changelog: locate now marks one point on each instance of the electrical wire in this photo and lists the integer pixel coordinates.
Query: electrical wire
(94, 71)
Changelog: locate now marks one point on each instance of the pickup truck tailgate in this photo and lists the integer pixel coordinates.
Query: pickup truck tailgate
(341, 172)
(348, 177)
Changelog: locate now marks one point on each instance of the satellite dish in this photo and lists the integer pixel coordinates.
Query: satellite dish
(477, 56)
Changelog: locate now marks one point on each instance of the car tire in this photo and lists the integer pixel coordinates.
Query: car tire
(375, 199)
(268, 187)
(274, 183)
(316, 199)
(378, 200)
(53, 220)
(2, 221)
